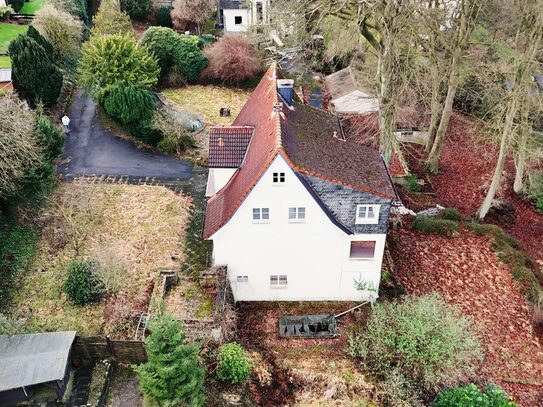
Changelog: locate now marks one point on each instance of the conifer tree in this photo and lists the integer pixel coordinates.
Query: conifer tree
(34, 71)
(172, 375)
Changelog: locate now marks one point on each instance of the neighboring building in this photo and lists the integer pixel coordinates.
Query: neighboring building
(5, 79)
(29, 363)
(347, 96)
(297, 210)
(239, 16)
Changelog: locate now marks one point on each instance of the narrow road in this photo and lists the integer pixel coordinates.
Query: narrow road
(91, 149)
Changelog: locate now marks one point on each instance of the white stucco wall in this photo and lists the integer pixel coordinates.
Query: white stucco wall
(229, 20)
(217, 178)
(356, 102)
(313, 254)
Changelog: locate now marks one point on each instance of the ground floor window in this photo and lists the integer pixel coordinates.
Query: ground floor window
(238, 20)
(361, 250)
(278, 281)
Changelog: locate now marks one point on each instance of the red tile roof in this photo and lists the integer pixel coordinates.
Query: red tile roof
(228, 145)
(258, 113)
(304, 137)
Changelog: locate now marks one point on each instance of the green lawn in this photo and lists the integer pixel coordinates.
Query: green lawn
(32, 7)
(5, 62)
(8, 32)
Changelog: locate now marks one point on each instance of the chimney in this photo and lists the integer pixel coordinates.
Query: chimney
(221, 142)
(285, 87)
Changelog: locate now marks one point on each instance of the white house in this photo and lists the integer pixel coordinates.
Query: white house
(296, 211)
(347, 96)
(238, 16)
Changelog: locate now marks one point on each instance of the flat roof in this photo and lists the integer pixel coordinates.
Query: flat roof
(33, 358)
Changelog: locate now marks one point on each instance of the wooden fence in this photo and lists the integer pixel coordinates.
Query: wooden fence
(94, 348)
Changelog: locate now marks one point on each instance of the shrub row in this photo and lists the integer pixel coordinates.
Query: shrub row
(442, 227)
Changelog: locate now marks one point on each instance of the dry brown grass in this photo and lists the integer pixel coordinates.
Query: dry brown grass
(143, 224)
(206, 101)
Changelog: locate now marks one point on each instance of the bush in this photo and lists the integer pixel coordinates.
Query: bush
(41, 40)
(17, 5)
(535, 189)
(471, 396)
(17, 249)
(175, 138)
(61, 29)
(82, 285)
(172, 375)
(185, 12)
(5, 11)
(34, 71)
(50, 135)
(137, 9)
(413, 184)
(189, 60)
(162, 42)
(145, 132)
(451, 214)
(442, 227)
(233, 59)
(110, 20)
(113, 61)
(423, 339)
(77, 8)
(163, 17)
(233, 364)
(129, 104)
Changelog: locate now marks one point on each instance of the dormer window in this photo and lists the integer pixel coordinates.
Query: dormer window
(278, 178)
(367, 214)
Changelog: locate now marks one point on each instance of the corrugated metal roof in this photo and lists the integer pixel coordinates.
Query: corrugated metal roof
(5, 75)
(33, 358)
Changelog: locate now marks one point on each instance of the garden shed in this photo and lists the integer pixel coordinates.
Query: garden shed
(34, 363)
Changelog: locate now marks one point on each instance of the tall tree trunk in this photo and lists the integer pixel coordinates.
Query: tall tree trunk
(504, 144)
(432, 162)
(387, 121)
(520, 159)
(435, 107)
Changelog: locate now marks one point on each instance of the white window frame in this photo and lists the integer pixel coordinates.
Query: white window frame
(364, 210)
(278, 281)
(259, 213)
(280, 176)
(242, 279)
(299, 214)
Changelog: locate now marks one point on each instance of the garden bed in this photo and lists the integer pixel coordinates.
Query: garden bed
(137, 228)
(466, 272)
(307, 372)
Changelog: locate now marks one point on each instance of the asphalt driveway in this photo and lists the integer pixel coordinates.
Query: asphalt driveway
(91, 149)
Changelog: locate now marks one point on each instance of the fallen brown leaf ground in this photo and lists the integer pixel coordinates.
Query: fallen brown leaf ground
(466, 271)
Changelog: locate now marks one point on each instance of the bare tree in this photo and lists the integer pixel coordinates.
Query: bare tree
(529, 42)
(185, 12)
(452, 35)
(20, 150)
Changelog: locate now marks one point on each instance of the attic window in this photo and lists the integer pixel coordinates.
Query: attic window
(278, 177)
(362, 250)
(367, 214)
(242, 279)
(296, 214)
(261, 214)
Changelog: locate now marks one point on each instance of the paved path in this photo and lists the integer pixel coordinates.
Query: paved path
(91, 149)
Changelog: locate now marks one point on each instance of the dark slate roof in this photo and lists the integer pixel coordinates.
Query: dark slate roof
(228, 145)
(309, 142)
(33, 358)
(341, 202)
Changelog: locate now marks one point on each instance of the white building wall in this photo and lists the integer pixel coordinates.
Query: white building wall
(230, 20)
(313, 254)
(217, 179)
(356, 102)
